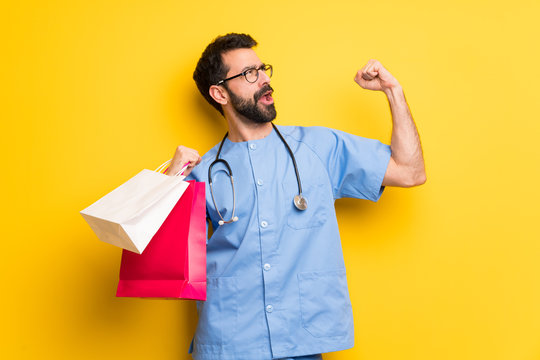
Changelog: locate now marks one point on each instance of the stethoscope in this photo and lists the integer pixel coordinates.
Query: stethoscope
(300, 202)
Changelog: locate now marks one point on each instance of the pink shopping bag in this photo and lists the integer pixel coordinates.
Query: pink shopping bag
(173, 265)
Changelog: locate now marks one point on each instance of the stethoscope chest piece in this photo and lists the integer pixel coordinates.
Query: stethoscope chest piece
(300, 202)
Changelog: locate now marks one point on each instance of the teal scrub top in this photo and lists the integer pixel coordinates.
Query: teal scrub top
(276, 281)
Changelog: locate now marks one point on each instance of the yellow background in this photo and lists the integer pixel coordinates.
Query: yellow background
(94, 91)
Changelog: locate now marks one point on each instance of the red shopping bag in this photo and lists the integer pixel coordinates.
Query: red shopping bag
(173, 265)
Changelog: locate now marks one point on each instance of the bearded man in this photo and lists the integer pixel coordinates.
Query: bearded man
(276, 282)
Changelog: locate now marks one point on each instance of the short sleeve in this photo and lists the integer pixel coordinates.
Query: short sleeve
(356, 165)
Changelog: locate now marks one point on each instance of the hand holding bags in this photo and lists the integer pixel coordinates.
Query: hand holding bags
(174, 263)
(131, 214)
(164, 216)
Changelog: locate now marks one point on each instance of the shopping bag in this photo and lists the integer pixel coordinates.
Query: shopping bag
(131, 214)
(174, 263)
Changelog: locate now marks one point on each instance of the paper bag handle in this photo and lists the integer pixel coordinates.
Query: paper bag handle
(162, 168)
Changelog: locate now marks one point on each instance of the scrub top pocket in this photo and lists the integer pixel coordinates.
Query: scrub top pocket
(325, 304)
(218, 314)
(315, 214)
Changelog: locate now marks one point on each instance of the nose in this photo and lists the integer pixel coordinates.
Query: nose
(263, 78)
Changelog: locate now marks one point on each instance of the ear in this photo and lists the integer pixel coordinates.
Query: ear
(219, 94)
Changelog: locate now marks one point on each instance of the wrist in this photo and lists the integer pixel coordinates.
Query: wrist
(393, 91)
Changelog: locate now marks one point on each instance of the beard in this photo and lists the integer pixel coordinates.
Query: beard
(249, 108)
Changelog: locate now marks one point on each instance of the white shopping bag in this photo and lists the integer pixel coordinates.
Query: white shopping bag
(130, 215)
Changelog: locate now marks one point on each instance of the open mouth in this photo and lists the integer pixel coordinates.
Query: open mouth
(267, 98)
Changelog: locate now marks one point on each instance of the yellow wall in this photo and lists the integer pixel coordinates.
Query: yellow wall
(94, 91)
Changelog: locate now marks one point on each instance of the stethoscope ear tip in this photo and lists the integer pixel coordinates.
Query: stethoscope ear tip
(221, 222)
(235, 218)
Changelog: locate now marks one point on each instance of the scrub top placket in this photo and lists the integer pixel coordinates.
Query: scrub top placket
(263, 155)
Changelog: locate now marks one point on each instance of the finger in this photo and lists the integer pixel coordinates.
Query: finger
(372, 69)
(192, 156)
(374, 63)
(373, 74)
(381, 70)
(374, 66)
(359, 73)
(195, 159)
(367, 76)
(369, 72)
(190, 164)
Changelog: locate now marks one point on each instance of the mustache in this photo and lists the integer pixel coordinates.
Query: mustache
(260, 93)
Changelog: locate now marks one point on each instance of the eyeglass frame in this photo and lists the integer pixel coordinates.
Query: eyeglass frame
(262, 67)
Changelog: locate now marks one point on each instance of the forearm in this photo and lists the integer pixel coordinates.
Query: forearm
(405, 143)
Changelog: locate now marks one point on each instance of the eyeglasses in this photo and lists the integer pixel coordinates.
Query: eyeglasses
(251, 74)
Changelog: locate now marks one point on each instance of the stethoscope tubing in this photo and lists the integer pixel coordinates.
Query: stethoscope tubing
(293, 159)
(299, 201)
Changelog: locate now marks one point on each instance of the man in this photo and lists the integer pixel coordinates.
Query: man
(276, 284)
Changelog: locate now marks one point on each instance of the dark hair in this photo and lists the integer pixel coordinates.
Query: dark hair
(210, 68)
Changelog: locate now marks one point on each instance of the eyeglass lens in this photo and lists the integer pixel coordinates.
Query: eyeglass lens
(253, 74)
